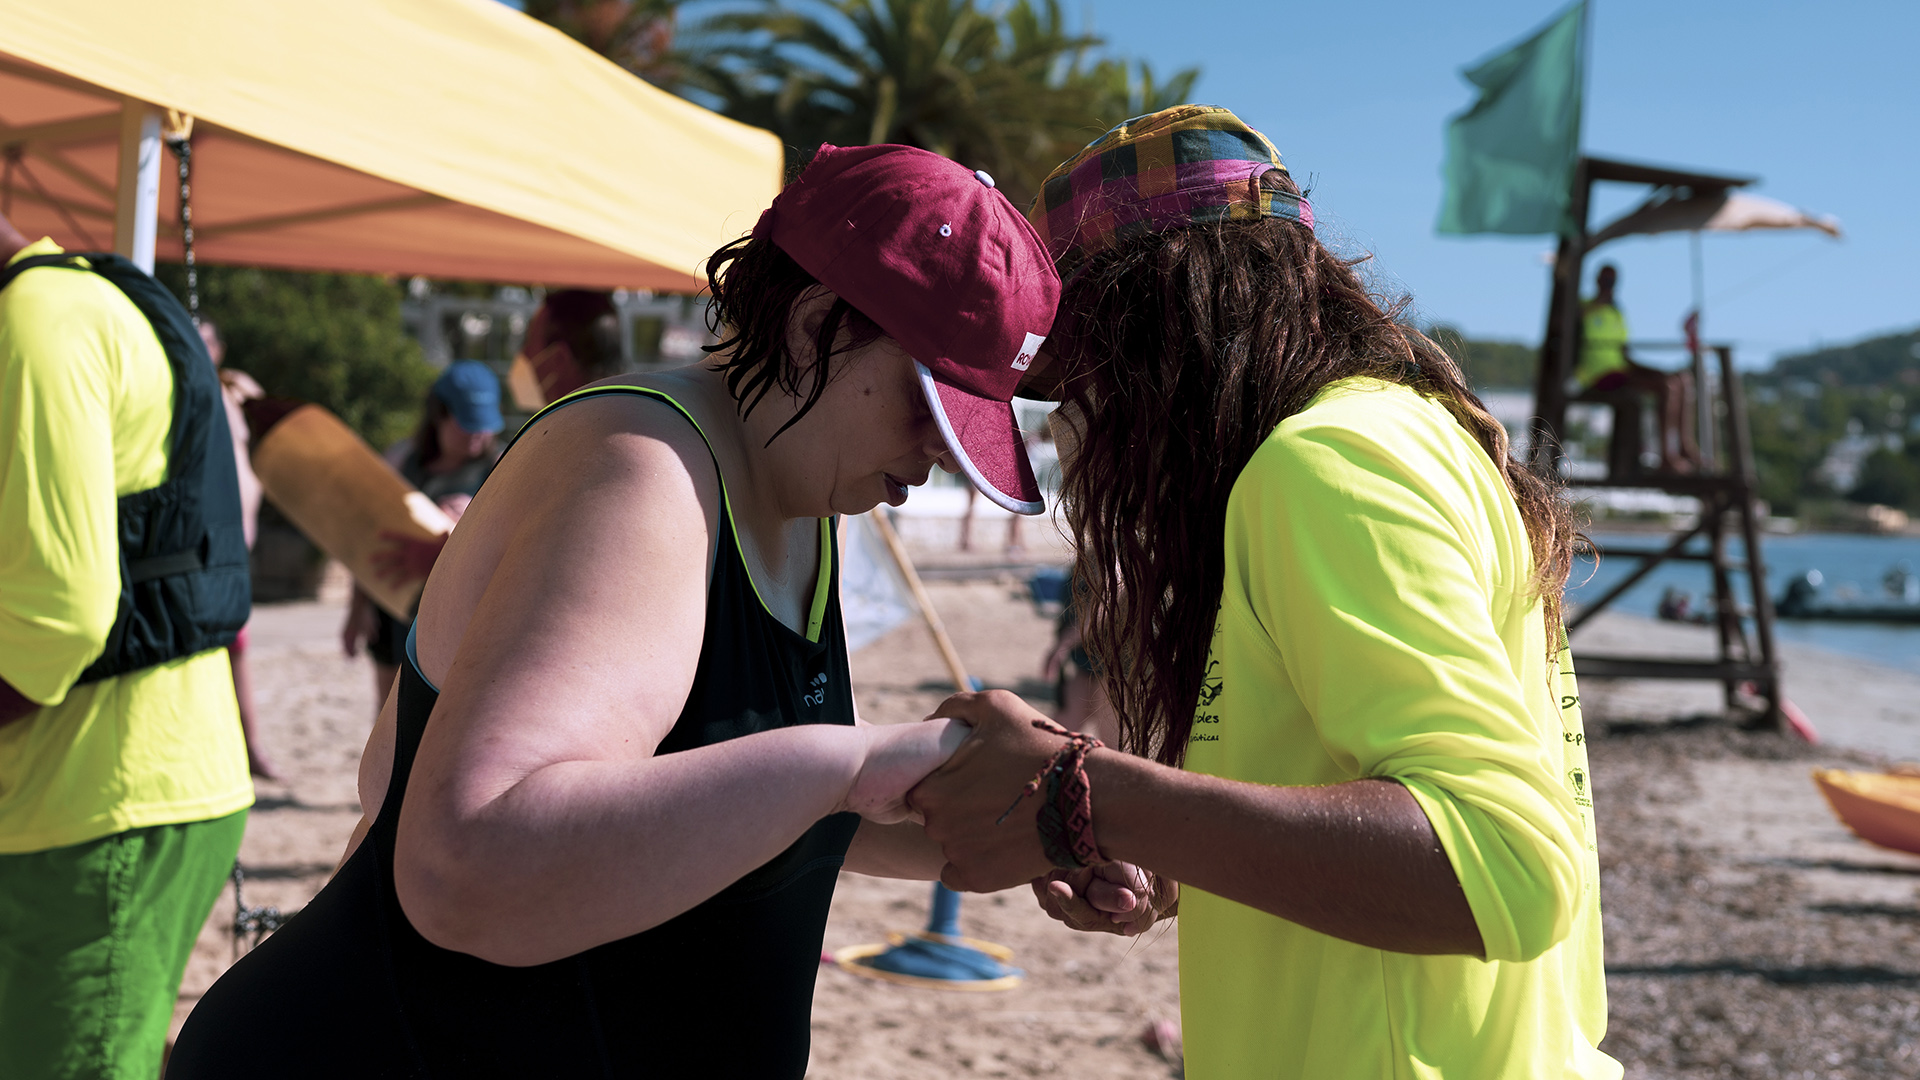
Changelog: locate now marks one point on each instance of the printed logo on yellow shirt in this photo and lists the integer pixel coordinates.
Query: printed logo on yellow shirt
(1211, 686)
(1577, 780)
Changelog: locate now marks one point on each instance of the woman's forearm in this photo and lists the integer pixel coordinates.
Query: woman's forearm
(1358, 861)
(579, 853)
(895, 851)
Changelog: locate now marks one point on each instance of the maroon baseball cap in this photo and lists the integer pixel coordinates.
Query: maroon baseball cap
(943, 262)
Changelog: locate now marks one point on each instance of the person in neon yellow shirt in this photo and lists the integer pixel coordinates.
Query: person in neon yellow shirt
(123, 800)
(1605, 365)
(1327, 604)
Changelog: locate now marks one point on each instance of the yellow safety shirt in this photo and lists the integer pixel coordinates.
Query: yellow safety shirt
(86, 400)
(1603, 342)
(1376, 621)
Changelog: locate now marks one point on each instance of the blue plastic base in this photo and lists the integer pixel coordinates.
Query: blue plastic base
(947, 962)
(940, 956)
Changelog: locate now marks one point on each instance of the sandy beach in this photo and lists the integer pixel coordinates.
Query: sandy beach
(1748, 933)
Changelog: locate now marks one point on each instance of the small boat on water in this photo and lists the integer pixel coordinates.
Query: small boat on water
(1803, 600)
(1880, 808)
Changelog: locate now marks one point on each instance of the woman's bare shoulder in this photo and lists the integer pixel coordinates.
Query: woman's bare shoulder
(674, 416)
(585, 495)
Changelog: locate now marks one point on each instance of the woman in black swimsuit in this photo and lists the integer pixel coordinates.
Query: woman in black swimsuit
(607, 803)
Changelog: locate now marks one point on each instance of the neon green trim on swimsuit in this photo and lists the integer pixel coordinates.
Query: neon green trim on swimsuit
(817, 616)
(823, 576)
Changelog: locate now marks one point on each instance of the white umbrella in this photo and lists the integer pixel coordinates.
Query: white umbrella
(1714, 211)
(1710, 210)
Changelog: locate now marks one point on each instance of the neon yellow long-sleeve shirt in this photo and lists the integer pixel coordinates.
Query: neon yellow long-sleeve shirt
(1377, 622)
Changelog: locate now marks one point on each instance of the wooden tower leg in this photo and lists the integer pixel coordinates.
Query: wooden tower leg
(1740, 466)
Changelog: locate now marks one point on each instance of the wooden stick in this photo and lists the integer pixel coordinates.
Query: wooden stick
(934, 626)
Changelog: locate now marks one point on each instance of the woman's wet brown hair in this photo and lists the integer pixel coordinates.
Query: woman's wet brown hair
(1184, 350)
(753, 287)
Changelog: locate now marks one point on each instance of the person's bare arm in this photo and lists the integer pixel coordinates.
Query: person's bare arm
(361, 622)
(1358, 861)
(901, 850)
(538, 822)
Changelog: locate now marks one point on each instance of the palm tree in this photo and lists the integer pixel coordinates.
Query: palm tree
(1130, 90)
(1012, 92)
(636, 34)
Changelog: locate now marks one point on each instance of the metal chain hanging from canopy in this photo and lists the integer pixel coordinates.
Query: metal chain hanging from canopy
(179, 139)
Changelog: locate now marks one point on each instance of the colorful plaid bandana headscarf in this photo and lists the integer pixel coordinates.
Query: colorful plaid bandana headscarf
(1187, 164)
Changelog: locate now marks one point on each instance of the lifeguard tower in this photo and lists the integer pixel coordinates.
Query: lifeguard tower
(1747, 664)
(1514, 166)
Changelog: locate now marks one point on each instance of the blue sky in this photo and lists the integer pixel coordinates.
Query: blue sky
(1817, 99)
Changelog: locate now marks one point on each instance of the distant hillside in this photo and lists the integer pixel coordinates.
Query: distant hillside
(1490, 365)
(1893, 360)
(1877, 363)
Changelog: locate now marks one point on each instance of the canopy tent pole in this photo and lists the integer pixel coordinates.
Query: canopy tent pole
(136, 210)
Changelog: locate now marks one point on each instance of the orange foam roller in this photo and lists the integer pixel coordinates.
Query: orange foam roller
(342, 494)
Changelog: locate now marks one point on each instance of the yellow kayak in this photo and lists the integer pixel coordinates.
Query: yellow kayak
(1880, 808)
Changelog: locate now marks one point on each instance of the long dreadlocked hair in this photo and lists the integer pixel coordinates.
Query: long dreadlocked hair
(1186, 348)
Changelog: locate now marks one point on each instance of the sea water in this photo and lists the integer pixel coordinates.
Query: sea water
(1851, 565)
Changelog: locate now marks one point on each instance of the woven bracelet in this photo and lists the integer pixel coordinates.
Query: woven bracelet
(1065, 818)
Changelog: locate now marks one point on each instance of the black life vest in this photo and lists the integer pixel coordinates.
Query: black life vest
(184, 581)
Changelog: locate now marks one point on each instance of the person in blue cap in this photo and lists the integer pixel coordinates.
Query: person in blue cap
(447, 458)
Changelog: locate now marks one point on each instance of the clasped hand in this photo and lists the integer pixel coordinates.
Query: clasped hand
(972, 808)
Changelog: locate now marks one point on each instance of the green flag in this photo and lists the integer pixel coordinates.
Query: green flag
(1511, 157)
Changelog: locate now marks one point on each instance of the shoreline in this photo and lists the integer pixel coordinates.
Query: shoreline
(1854, 703)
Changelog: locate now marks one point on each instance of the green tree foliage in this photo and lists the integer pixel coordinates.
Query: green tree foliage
(1796, 423)
(1129, 90)
(1809, 403)
(636, 34)
(1890, 477)
(333, 339)
(1787, 448)
(1005, 88)
(1893, 359)
(1490, 365)
(1011, 89)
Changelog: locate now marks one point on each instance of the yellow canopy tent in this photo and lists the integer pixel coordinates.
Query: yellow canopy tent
(450, 138)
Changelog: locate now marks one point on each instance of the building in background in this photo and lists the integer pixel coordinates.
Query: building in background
(453, 323)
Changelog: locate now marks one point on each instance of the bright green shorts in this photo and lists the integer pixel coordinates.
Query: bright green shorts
(93, 941)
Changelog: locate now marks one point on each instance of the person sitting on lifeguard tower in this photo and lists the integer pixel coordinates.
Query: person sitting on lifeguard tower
(1606, 366)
